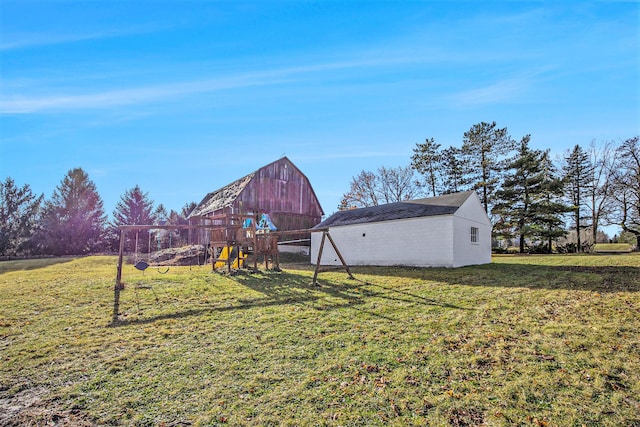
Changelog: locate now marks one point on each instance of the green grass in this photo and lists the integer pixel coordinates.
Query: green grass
(526, 340)
(612, 247)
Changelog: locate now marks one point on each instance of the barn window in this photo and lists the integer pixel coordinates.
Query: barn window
(474, 234)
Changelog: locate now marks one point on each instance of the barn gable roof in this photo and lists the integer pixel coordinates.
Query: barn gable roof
(227, 195)
(222, 197)
(447, 204)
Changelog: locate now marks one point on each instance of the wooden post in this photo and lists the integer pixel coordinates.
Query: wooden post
(325, 233)
(335, 247)
(229, 246)
(315, 273)
(275, 251)
(255, 242)
(118, 286)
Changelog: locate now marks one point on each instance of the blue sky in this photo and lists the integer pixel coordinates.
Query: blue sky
(184, 97)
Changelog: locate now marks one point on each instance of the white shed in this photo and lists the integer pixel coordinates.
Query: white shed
(452, 230)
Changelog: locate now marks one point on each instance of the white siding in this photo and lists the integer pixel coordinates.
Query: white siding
(472, 210)
(466, 252)
(432, 241)
(424, 242)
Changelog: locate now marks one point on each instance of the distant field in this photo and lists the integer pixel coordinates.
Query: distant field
(612, 247)
(526, 340)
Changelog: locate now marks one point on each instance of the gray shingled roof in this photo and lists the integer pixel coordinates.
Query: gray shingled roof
(222, 197)
(433, 206)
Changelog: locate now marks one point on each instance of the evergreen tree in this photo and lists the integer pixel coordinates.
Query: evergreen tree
(517, 202)
(426, 160)
(180, 218)
(73, 222)
(134, 208)
(552, 208)
(162, 238)
(486, 146)
(19, 212)
(578, 176)
(454, 171)
(161, 215)
(187, 209)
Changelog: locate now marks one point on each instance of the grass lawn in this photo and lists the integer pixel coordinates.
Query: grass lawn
(612, 247)
(526, 340)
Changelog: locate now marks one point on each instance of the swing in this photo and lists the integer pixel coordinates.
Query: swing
(142, 265)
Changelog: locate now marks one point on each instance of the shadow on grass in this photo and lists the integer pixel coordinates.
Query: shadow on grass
(243, 305)
(352, 291)
(30, 264)
(532, 276)
(287, 288)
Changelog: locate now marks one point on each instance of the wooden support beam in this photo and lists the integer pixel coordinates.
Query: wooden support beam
(335, 247)
(303, 231)
(315, 273)
(118, 286)
(325, 234)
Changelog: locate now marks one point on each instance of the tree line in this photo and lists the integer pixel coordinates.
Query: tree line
(73, 220)
(529, 196)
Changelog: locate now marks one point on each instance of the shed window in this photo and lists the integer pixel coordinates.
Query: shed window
(474, 234)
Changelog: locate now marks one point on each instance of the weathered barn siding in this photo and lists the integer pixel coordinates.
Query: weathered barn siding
(282, 191)
(279, 189)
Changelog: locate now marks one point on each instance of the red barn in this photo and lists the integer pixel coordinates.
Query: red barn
(279, 189)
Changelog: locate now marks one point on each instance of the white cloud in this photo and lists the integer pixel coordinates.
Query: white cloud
(504, 91)
(31, 40)
(21, 103)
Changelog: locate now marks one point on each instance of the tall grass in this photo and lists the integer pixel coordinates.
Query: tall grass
(538, 340)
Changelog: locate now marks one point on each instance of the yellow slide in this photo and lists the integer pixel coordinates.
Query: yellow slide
(228, 251)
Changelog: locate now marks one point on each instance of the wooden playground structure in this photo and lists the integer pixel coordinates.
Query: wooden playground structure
(231, 238)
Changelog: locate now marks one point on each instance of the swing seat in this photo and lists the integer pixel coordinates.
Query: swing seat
(141, 265)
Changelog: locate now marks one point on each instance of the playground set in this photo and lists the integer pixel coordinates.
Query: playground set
(232, 237)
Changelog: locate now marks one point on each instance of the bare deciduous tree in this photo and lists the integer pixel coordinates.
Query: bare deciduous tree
(603, 158)
(627, 187)
(387, 185)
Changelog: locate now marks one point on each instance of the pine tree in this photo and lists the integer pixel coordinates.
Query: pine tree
(454, 167)
(517, 201)
(180, 218)
(74, 220)
(187, 209)
(552, 207)
(426, 159)
(486, 147)
(134, 208)
(19, 212)
(578, 176)
(161, 215)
